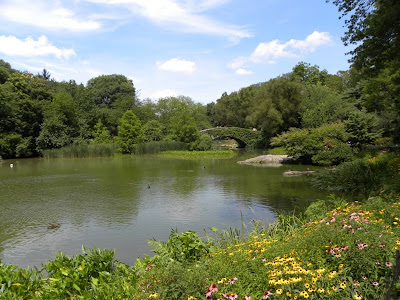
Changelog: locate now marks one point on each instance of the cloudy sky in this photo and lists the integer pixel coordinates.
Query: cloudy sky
(196, 48)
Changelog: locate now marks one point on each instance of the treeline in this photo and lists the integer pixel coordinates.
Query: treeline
(38, 113)
(309, 98)
(314, 115)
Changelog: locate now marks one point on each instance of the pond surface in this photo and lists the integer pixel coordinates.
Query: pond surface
(121, 203)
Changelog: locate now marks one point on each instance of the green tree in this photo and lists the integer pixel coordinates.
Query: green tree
(129, 132)
(362, 127)
(101, 134)
(309, 74)
(60, 124)
(275, 107)
(322, 105)
(182, 126)
(112, 91)
(153, 131)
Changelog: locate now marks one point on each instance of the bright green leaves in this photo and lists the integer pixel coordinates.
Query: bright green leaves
(129, 132)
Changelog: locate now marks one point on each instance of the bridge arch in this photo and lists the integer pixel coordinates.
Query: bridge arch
(243, 136)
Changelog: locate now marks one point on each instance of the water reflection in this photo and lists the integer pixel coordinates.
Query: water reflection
(120, 203)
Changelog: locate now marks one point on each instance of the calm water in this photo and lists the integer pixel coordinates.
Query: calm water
(121, 203)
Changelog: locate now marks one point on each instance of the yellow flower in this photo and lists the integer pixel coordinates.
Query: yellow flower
(358, 296)
(279, 291)
(343, 285)
(321, 290)
(153, 295)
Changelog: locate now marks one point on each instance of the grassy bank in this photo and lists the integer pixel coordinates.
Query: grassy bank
(199, 154)
(82, 150)
(338, 250)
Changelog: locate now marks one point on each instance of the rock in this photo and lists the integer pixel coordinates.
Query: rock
(297, 173)
(266, 160)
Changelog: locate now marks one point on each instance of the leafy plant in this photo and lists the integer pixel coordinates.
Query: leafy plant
(184, 248)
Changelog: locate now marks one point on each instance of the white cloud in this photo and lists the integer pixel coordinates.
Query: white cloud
(272, 50)
(177, 65)
(13, 46)
(243, 72)
(163, 94)
(46, 14)
(185, 15)
(238, 62)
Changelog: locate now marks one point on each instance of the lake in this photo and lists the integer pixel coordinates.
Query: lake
(121, 203)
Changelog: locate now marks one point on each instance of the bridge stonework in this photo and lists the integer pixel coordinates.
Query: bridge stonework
(244, 137)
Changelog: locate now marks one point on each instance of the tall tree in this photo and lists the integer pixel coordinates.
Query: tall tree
(129, 132)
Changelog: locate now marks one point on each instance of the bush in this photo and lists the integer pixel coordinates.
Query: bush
(325, 145)
(361, 176)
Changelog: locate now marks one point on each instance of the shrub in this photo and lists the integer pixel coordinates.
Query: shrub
(361, 176)
(325, 145)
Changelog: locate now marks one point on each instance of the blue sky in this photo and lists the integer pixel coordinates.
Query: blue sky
(199, 49)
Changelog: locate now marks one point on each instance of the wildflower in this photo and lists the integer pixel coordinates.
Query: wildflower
(232, 280)
(343, 285)
(375, 283)
(364, 277)
(382, 245)
(321, 290)
(212, 289)
(388, 264)
(266, 295)
(247, 297)
(357, 296)
(356, 283)
(153, 295)
(279, 291)
(230, 296)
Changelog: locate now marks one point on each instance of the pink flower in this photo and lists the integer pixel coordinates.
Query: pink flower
(388, 264)
(364, 277)
(375, 283)
(212, 289)
(266, 295)
(230, 296)
(247, 297)
(232, 280)
(382, 245)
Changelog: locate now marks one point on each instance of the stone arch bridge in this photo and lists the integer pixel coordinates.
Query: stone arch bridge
(244, 137)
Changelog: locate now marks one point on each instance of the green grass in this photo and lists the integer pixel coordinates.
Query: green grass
(82, 150)
(199, 154)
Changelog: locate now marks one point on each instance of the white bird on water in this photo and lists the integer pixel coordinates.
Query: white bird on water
(11, 165)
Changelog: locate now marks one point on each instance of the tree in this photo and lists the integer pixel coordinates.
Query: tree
(153, 131)
(129, 132)
(182, 126)
(373, 26)
(101, 134)
(322, 105)
(309, 74)
(362, 127)
(112, 91)
(60, 124)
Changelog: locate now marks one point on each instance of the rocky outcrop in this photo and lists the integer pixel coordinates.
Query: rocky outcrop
(297, 173)
(266, 160)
